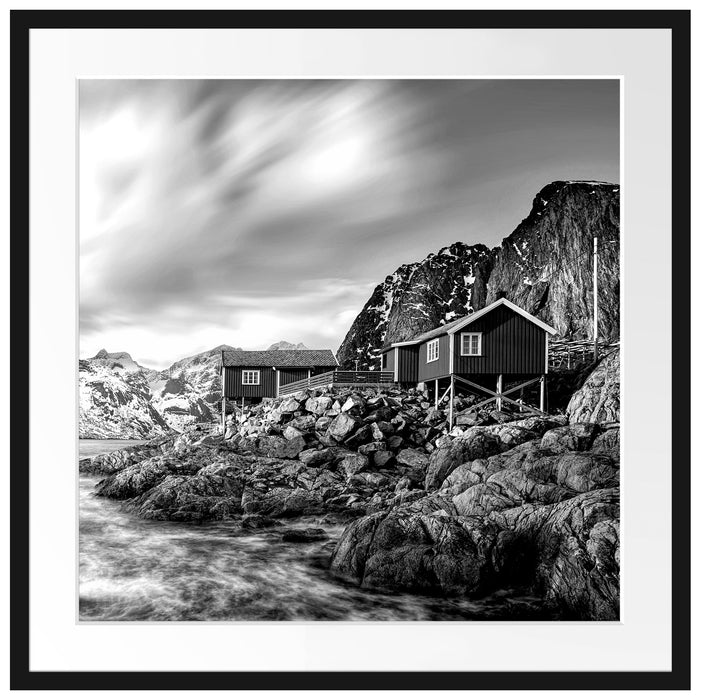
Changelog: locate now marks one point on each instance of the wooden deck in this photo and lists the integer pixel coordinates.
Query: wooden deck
(339, 378)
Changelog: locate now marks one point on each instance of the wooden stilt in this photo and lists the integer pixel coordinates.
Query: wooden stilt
(452, 401)
(542, 400)
(435, 394)
(222, 419)
(499, 392)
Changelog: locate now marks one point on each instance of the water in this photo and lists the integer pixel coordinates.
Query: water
(132, 569)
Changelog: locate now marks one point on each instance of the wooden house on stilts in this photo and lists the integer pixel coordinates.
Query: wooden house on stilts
(499, 353)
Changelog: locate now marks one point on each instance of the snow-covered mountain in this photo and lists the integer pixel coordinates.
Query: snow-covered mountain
(121, 399)
(544, 266)
(115, 403)
(286, 345)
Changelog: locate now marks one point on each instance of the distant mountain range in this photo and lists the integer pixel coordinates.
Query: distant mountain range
(121, 399)
(544, 266)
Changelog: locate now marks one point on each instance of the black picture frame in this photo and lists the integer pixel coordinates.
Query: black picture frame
(22, 678)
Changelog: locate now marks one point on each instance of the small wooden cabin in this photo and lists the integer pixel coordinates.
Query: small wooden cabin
(256, 374)
(483, 352)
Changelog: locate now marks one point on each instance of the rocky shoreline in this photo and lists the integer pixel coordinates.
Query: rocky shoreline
(500, 501)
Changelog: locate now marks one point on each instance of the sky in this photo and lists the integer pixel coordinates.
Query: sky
(250, 211)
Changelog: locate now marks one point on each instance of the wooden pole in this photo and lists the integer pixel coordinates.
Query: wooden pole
(452, 400)
(222, 420)
(499, 391)
(542, 400)
(594, 295)
(436, 393)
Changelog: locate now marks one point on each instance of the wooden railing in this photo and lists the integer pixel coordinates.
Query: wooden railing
(338, 376)
(571, 354)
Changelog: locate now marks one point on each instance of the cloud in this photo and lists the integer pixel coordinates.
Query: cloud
(269, 209)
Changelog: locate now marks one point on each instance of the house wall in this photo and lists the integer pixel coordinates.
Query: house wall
(408, 364)
(510, 345)
(234, 388)
(437, 368)
(288, 375)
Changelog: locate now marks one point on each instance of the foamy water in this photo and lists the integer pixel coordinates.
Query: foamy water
(132, 569)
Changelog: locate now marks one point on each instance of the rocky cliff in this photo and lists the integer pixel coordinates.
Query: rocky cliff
(544, 266)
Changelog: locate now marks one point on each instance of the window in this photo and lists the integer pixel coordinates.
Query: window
(250, 376)
(432, 350)
(384, 361)
(471, 343)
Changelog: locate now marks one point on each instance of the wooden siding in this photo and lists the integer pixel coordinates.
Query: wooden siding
(288, 375)
(511, 344)
(235, 389)
(408, 364)
(437, 368)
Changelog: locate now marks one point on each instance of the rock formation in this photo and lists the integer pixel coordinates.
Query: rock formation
(598, 399)
(528, 502)
(544, 266)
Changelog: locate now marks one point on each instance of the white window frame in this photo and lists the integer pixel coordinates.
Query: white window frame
(255, 376)
(469, 353)
(433, 350)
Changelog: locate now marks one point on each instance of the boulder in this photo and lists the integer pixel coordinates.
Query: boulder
(291, 433)
(418, 548)
(382, 458)
(342, 427)
(280, 448)
(415, 459)
(289, 405)
(213, 493)
(353, 463)
(451, 453)
(362, 435)
(315, 457)
(322, 424)
(371, 447)
(304, 424)
(319, 404)
(354, 403)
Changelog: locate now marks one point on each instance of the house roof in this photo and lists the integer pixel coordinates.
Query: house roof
(278, 358)
(470, 318)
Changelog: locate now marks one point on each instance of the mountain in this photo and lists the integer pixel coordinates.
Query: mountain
(120, 361)
(115, 403)
(544, 266)
(285, 345)
(119, 398)
(417, 297)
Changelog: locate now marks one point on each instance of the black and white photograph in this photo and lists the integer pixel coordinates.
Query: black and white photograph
(349, 349)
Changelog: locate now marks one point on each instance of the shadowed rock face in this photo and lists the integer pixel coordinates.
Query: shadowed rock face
(544, 266)
(598, 399)
(544, 512)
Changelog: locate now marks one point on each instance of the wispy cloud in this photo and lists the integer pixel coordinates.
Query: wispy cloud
(249, 211)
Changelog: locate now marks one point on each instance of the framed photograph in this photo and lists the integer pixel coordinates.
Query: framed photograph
(350, 350)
